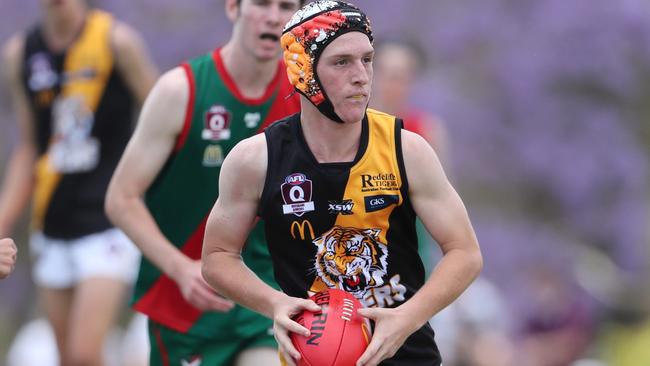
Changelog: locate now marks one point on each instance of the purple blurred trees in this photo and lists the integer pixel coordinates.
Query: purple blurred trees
(547, 103)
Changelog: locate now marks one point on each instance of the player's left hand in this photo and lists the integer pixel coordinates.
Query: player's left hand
(391, 330)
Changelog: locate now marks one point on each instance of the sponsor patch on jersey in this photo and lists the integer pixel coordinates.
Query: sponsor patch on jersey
(340, 207)
(296, 194)
(217, 123)
(252, 119)
(377, 182)
(212, 156)
(376, 203)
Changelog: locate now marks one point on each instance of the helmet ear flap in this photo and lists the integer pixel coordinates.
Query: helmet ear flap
(297, 61)
(299, 67)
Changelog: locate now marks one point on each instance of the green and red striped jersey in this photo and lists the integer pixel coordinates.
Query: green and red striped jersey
(181, 197)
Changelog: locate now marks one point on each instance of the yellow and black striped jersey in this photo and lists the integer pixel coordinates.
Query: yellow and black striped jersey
(345, 225)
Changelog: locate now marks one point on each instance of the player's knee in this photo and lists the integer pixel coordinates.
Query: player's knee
(82, 356)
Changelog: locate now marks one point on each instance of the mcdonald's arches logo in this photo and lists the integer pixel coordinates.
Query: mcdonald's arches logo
(302, 226)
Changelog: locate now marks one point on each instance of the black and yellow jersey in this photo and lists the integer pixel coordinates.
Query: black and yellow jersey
(83, 114)
(345, 225)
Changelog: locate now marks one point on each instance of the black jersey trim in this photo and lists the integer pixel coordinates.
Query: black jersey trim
(399, 126)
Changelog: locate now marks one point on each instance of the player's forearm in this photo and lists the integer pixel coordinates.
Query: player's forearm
(227, 273)
(132, 216)
(17, 187)
(453, 274)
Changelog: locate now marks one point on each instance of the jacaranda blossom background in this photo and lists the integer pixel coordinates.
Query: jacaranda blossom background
(547, 105)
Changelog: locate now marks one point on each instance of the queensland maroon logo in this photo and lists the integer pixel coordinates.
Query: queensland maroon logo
(296, 194)
(217, 124)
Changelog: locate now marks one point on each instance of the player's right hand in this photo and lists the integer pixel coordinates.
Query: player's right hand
(283, 312)
(198, 293)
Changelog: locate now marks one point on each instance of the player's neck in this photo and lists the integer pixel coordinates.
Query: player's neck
(329, 141)
(62, 26)
(251, 76)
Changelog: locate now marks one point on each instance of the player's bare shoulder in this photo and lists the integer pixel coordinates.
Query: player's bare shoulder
(414, 145)
(416, 151)
(247, 162)
(249, 153)
(166, 104)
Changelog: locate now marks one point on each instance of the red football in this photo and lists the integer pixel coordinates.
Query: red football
(339, 336)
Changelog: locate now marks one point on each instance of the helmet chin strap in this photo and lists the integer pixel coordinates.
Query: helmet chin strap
(327, 109)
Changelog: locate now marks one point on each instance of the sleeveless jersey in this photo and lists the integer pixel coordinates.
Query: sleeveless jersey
(181, 197)
(346, 225)
(83, 114)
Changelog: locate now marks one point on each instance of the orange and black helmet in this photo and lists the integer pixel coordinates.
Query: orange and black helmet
(305, 37)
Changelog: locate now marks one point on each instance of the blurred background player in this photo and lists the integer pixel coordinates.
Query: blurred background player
(164, 188)
(8, 253)
(397, 65)
(75, 79)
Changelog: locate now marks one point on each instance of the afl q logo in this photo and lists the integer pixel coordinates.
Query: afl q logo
(296, 194)
(216, 124)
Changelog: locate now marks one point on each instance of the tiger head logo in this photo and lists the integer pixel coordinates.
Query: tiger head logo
(351, 259)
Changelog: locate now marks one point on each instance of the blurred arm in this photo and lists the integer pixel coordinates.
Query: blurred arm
(133, 61)
(18, 181)
(159, 124)
(161, 120)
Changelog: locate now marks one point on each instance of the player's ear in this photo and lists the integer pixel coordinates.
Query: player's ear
(232, 9)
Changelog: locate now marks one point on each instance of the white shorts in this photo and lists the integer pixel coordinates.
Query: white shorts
(63, 263)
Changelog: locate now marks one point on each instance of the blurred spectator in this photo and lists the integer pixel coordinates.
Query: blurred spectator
(557, 326)
(397, 66)
(475, 330)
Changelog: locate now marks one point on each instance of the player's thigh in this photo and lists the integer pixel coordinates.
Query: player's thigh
(54, 278)
(57, 304)
(267, 356)
(97, 302)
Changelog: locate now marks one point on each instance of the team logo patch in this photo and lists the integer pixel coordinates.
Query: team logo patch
(296, 194)
(376, 203)
(217, 123)
(340, 207)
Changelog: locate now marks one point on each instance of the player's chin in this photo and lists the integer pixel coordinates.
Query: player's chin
(353, 114)
(268, 51)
